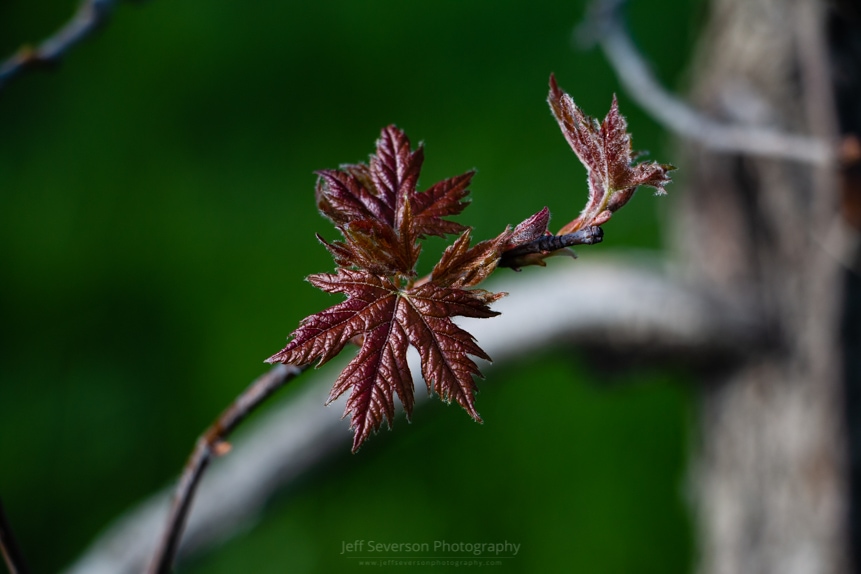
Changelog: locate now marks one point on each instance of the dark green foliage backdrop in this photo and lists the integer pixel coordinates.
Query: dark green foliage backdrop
(157, 219)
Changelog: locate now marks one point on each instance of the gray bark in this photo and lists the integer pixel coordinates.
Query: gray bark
(770, 471)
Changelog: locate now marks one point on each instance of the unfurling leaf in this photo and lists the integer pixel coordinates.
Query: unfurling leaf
(529, 230)
(381, 217)
(522, 248)
(605, 150)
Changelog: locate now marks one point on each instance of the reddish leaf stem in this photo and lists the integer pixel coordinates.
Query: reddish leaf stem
(212, 444)
(9, 547)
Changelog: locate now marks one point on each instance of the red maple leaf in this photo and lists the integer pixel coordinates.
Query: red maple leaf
(605, 149)
(381, 216)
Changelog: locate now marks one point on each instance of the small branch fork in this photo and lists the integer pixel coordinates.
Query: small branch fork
(9, 547)
(212, 443)
(90, 15)
(604, 26)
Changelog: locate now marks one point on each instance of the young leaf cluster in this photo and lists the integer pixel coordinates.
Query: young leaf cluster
(382, 218)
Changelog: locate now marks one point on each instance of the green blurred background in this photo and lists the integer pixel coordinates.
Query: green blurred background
(157, 218)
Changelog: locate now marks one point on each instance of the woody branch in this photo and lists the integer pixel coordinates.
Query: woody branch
(90, 16)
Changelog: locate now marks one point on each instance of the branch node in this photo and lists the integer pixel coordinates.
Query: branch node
(549, 244)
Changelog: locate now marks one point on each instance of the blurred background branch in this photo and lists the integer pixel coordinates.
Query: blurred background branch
(89, 17)
(605, 26)
(623, 305)
(9, 548)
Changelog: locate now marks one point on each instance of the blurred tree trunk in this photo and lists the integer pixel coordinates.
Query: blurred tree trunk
(770, 477)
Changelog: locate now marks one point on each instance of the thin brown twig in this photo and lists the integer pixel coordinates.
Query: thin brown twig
(90, 15)
(548, 243)
(9, 547)
(604, 26)
(213, 443)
